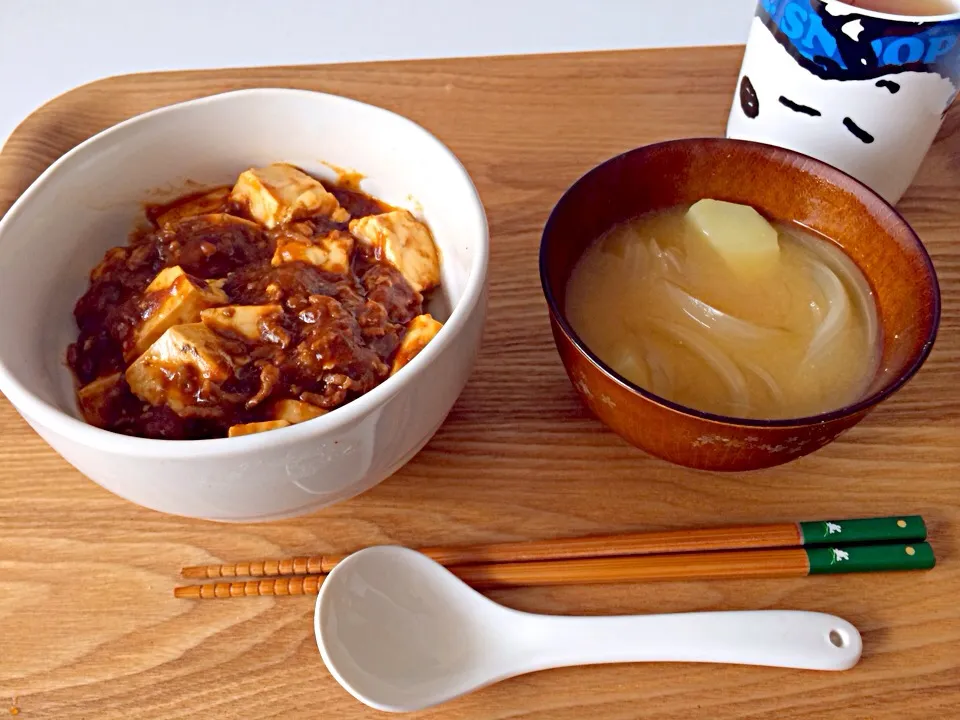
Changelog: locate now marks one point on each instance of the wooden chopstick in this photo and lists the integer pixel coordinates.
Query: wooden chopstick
(776, 563)
(297, 585)
(906, 528)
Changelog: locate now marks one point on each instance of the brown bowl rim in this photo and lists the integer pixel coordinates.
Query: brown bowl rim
(826, 171)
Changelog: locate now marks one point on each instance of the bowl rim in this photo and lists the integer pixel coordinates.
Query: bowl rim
(49, 417)
(821, 169)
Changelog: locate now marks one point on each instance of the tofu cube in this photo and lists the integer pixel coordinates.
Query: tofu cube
(212, 201)
(97, 397)
(405, 242)
(193, 345)
(279, 193)
(295, 411)
(420, 331)
(256, 427)
(239, 320)
(330, 253)
(174, 298)
(222, 219)
(738, 234)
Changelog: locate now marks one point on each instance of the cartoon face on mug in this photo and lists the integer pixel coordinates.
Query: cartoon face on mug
(842, 88)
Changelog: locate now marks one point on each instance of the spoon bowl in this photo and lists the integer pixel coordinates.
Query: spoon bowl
(401, 633)
(400, 636)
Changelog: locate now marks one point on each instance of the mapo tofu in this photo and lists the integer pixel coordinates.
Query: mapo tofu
(250, 308)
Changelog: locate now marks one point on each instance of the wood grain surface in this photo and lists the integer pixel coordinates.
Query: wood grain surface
(88, 626)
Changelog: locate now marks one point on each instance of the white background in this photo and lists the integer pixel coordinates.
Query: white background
(50, 46)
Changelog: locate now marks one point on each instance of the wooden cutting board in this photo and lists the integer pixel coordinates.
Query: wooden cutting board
(88, 626)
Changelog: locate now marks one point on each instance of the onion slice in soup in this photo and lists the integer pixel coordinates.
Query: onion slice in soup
(672, 258)
(727, 326)
(629, 247)
(634, 369)
(767, 379)
(728, 372)
(837, 316)
(661, 372)
(852, 278)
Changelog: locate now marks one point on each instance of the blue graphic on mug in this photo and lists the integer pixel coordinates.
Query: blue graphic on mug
(863, 93)
(840, 45)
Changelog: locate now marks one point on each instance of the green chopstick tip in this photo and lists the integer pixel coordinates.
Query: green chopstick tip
(896, 528)
(870, 558)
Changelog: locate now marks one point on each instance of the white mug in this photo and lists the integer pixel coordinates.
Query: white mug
(864, 91)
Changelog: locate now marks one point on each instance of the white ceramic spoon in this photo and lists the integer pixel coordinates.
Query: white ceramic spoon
(402, 633)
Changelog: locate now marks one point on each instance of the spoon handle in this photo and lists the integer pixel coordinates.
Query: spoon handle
(777, 638)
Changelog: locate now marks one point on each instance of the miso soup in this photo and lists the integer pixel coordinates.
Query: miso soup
(714, 308)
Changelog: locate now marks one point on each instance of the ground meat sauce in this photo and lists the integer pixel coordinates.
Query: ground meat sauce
(332, 340)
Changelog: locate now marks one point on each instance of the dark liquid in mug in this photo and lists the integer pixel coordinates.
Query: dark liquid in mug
(914, 8)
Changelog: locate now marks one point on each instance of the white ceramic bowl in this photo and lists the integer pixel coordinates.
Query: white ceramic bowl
(91, 198)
